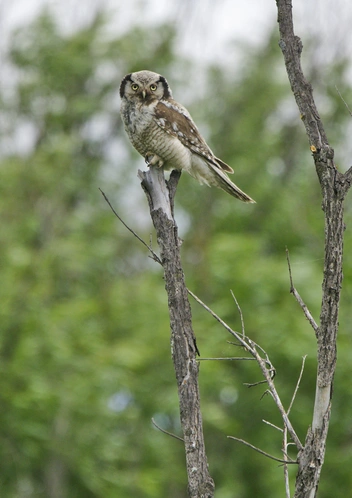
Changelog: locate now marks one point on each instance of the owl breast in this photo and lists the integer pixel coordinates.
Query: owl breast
(149, 138)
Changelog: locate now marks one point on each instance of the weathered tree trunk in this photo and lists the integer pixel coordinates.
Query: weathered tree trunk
(334, 187)
(183, 343)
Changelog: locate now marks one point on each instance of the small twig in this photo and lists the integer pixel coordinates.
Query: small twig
(224, 324)
(166, 432)
(297, 385)
(261, 451)
(298, 298)
(279, 404)
(284, 440)
(344, 101)
(240, 312)
(235, 344)
(286, 475)
(230, 358)
(272, 425)
(254, 384)
(155, 257)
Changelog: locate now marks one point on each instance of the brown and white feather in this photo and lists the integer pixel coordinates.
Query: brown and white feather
(163, 132)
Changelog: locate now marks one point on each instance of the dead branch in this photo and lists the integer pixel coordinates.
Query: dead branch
(261, 451)
(298, 298)
(284, 451)
(240, 313)
(297, 384)
(344, 101)
(264, 363)
(255, 384)
(166, 432)
(160, 197)
(230, 358)
(155, 257)
(272, 425)
(334, 187)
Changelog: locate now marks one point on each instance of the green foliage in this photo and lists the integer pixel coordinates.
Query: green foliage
(84, 343)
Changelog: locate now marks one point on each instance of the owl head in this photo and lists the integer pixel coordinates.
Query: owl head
(144, 86)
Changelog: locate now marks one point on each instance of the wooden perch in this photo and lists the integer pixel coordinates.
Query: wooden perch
(183, 343)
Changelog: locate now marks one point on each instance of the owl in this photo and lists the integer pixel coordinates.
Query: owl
(164, 133)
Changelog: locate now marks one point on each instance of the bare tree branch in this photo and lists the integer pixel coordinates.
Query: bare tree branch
(155, 257)
(284, 439)
(286, 475)
(249, 345)
(239, 358)
(300, 301)
(334, 187)
(344, 101)
(184, 349)
(255, 384)
(264, 364)
(273, 425)
(166, 432)
(240, 313)
(297, 384)
(261, 451)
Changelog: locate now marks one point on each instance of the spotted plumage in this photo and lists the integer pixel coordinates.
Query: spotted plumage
(164, 133)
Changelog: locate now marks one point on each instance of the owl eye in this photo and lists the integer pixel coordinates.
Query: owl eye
(134, 87)
(153, 87)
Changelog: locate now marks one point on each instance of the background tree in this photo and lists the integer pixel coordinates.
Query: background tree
(85, 359)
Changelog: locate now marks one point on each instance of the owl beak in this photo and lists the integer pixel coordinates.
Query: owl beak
(144, 93)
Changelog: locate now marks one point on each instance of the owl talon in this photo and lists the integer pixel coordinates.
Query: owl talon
(153, 160)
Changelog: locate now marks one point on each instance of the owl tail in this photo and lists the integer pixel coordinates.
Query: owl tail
(223, 181)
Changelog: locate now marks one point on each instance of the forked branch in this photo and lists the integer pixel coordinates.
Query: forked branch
(264, 363)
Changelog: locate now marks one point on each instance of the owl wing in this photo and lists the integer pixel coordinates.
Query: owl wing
(175, 120)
